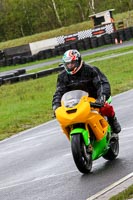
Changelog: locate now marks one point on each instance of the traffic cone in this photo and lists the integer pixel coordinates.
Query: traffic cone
(120, 41)
(116, 41)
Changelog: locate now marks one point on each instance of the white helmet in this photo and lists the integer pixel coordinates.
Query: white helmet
(72, 61)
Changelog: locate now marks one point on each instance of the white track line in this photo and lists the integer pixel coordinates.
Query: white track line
(110, 187)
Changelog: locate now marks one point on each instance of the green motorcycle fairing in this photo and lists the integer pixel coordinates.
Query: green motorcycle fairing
(100, 147)
(109, 100)
(84, 133)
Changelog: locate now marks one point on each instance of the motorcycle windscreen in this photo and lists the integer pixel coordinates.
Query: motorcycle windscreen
(72, 98)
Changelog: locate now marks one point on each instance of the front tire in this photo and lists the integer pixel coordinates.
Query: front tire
(113, 151)
(82, 158)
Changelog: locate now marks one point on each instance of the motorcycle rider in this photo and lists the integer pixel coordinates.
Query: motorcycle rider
(81, 76)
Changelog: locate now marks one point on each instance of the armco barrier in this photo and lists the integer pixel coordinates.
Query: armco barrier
(94, 42)
(7, 75)
(11, 77)
(73, 45)
(23, 77)
(107, 39)
(10, 80)
(48, 72)
(87, 43)
(23, 50)
(1, 81)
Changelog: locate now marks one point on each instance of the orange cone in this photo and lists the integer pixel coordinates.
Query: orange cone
(120, 41)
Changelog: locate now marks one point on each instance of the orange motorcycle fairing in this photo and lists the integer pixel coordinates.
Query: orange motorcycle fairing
(82, 113)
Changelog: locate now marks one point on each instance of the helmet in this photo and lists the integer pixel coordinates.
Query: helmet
(72, 61)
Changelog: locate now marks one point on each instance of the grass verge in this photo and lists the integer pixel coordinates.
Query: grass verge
(126, 194)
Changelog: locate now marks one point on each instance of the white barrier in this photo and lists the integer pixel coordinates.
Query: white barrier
(35, 47)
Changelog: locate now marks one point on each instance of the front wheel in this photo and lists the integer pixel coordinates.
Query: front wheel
(82, 158)
(113, 151)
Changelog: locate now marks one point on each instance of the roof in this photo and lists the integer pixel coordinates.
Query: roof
(100, 13)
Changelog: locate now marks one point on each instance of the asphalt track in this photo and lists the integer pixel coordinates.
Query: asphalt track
(37, 164)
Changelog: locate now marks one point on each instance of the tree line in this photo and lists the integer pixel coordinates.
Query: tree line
(20, 18)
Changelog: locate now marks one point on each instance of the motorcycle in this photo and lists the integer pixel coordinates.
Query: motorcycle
(88, 131)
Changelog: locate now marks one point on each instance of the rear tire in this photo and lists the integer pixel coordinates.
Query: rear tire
(82, 158)
(113, 151)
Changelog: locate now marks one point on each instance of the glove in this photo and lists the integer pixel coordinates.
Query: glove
(54, 108)
(101, 100)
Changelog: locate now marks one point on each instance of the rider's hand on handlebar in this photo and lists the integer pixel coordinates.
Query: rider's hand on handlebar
(54, 108)
(101, 100)
(53, 116)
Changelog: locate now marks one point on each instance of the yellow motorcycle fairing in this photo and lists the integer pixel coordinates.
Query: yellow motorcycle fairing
(82, 113)
(77, 114)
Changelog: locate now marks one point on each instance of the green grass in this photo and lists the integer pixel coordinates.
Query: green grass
(126, 194)
(25, 105)
(119, 71)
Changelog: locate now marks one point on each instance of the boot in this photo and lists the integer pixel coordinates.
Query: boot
(114, 124)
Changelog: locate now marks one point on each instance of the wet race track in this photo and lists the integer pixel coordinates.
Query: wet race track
(37, 164)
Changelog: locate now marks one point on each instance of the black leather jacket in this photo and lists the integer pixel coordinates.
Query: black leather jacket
(89, 79)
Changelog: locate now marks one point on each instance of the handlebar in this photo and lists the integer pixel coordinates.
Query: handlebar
(96, 105)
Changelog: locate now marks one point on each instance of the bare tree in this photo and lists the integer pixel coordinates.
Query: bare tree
(56, 12)
(81, 11)
(24, 4)
(92, 6)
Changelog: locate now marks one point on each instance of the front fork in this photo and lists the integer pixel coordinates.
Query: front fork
(85, 135)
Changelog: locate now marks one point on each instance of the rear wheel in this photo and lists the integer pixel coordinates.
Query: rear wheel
(113, 151)
(82, 157)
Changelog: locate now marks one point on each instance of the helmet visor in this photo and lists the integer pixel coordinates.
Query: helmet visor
(71, 66)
